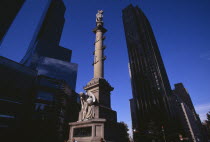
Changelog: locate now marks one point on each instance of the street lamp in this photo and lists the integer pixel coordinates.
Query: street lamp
(136, 133)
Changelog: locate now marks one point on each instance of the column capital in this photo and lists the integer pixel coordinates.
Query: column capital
(99, 82)
(101, 28)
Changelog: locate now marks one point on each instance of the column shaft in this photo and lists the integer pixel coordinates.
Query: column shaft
(99, 56)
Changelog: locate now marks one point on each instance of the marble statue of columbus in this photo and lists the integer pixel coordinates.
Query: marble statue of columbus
(99, 16)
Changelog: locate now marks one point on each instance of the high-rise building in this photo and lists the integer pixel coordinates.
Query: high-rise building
(58, 69)
(8, 12)
(47, 41)
(54, 107)
(190, 123)
(33, 105)
(28, 22)
(149, 80)
(17, 92)
(45, 54)
(183, 94)
(54, 102)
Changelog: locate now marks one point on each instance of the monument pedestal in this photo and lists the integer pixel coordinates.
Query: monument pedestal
(104, 123)
(87, 131)
(93, 130)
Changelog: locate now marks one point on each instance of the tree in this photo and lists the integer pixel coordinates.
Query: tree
(207, 124)
(208, 118)
(123, 132)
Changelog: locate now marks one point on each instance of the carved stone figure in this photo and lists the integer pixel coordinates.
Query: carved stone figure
(83, 105)
(87, 103)
(99, 16)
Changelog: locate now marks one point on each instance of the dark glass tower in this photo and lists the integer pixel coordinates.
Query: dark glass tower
(8, 12)
(17, 92)
(47, 42)
(54, 102)
(150, 84)
(34, 106)
(45, 54)
(54, 107)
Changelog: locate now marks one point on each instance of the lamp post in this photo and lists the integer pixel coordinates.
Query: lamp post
(136, 135)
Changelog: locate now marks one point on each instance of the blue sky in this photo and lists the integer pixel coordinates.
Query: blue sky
(181, 28)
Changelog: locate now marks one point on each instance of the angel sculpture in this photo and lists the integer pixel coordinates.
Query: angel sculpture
(87, 103)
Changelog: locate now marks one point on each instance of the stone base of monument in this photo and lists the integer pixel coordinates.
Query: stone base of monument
(87, 131)
(92, 131)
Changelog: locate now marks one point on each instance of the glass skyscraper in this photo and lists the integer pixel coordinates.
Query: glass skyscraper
(54, 107)
(53, 101)
(49, 34)
(28, 22)
(56, 101)
(45, 54)
(58, 69)
(34, 106)
(48, 38)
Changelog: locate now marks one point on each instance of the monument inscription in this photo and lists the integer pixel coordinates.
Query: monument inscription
(82, 132)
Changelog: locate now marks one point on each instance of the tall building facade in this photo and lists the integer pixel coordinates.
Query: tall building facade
(183, 94)
(150, 106)
(8, 12)
(53, 101)
(56, 100)
(17, 92)
(48, 38)
(34, 106)
(33, 21)
(55, 106)
(45, 54)
(190, 123)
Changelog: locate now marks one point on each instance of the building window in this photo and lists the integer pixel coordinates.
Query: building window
(4, 126)
(40, 107)
(45, 96)
(6, 116)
